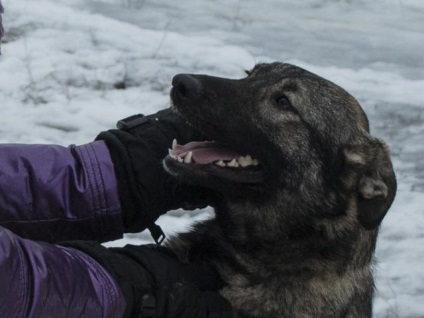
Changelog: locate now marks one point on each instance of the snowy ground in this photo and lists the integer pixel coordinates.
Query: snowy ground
(64, 60)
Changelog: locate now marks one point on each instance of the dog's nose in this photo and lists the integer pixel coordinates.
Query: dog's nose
(186, 86)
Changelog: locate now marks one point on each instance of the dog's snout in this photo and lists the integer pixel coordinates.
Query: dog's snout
(186, 86)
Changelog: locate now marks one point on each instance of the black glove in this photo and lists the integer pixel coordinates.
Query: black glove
(186, 300)
(156, 285)
(137, 149)
(186, 290)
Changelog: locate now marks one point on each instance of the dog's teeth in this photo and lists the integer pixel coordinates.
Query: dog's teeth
(174, 143)
(233, 163)
(171, 155)
(188, 157)
(245, 161)
(255, 162)
(220, 163)
(180, 159)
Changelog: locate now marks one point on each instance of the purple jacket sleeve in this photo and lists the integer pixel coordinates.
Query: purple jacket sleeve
(39, 279)
(54, 193)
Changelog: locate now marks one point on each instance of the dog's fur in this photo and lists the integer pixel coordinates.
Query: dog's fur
(296, 236)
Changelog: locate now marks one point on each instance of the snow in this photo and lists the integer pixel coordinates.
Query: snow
(63, 60)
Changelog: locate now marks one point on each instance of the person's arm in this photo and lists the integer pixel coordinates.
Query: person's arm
(177, 290)
(85, 279)
(39, 279)
(95, 191)
(53, 193)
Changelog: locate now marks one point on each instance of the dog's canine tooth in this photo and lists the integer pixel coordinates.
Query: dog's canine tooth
(188, 157)
(179, 159)
(233, 163)
(174, 143)
(220, 163)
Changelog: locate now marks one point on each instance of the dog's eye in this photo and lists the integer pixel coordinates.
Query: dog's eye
(283, 102)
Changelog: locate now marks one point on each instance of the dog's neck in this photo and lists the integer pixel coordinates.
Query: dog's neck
(257, 233)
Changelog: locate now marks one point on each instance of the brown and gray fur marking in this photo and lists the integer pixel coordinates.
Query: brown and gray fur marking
(300, 243)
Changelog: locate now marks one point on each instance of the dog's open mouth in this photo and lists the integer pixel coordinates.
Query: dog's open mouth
(214, 159)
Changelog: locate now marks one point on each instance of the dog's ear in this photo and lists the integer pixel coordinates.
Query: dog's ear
(370, 174)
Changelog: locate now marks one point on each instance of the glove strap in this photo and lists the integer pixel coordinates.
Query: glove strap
(157, 233)
(131, 122)
(148, 306)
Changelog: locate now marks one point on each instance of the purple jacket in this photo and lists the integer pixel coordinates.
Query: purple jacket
(53, 193)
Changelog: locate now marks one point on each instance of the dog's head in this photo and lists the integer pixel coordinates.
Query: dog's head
(284, 130)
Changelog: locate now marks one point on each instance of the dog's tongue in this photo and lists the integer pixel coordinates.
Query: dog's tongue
(205, 152)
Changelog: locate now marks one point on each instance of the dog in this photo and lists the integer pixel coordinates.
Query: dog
(300, 190)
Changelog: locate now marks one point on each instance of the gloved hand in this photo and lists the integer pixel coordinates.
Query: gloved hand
(137, 149)
(187, 290)
(156, 284)
(186, 300)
